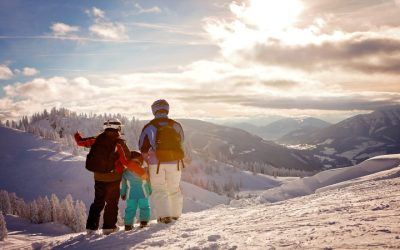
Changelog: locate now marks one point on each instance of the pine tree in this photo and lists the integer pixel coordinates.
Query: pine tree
(56, 211)
(5, 204)
(67, 206)
(34, 213)
(22, 209)
(13, 202)
(46, 210)
(3, 228)
(79, 220)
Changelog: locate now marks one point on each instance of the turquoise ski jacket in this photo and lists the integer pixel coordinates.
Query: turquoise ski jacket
(133, 187)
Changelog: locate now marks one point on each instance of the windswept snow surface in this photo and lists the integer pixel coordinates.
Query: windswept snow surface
(309, 185)
(364, 215)
(24, 235)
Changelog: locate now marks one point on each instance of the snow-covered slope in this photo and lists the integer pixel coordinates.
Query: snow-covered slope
(323, 180)
(31, 166)
(363, 214)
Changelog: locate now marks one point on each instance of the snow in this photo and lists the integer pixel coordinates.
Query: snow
(324, 158)
(300, 146)
(32, 168)
(360, 148)
(247, 151)
(329, 151)
(327, 142)
(389, 138)
(198, 199)
(357, 207)
(363, 215)
(309, 185)
(23, 234)
(298, 157)
(231, 148)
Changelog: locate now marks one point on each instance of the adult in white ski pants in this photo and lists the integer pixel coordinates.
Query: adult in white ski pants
(166, 198)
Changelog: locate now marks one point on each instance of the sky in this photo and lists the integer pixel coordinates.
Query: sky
(210, 59)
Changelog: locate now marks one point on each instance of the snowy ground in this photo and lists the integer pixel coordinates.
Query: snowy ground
(363, 213)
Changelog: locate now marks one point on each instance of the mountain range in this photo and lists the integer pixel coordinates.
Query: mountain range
(275, 130)
(354, 139)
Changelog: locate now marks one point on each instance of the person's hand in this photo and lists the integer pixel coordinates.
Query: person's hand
(77, 136)
(123, 197)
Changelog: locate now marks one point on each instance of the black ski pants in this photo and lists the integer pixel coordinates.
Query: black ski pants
(105, 194)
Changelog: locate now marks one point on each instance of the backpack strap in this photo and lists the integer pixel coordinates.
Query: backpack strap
(158, 167)
(177, 164)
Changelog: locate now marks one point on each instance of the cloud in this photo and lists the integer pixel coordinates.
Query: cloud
(62, 29)
(219, 89)
(358, 15)
(106, 29)
(349, 54)
(312, 40)
(95, 12)
(52, 89)
(27, 71)
(154, 9)
(5, 72)
(98, 12)
(342, 102)
(13, 110)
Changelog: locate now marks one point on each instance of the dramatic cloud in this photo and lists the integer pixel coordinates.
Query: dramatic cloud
(292, 57)
(358, 53)
(309, 43)
(5, 72)
(62, 29)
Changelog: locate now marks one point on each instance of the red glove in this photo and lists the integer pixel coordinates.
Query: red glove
(77, 137)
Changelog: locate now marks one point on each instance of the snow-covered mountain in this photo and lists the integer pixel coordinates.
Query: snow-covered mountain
(277, 129)
(357, 138)
(232, 144)
(351, 208)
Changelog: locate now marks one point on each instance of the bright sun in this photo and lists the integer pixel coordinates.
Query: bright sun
(273, 15)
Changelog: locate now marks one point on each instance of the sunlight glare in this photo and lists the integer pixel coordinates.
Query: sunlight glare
(273, 15)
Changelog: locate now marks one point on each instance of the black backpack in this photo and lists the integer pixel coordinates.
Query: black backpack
(102, 155)
(168, 141)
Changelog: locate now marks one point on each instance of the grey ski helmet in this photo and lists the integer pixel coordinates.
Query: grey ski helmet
(160, 105)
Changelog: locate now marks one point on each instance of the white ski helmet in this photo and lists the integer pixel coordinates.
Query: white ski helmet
(113, 123)
(159, 105)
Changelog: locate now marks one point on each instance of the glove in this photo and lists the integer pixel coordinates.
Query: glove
(123, 197)
(77, 136)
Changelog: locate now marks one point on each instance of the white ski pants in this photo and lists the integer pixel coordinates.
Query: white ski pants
(166, 199)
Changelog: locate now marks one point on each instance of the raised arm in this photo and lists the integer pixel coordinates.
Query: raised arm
(84, 142)
(125, 159)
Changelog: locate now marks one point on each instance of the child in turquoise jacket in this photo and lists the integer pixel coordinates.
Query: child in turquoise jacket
(136, 192)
